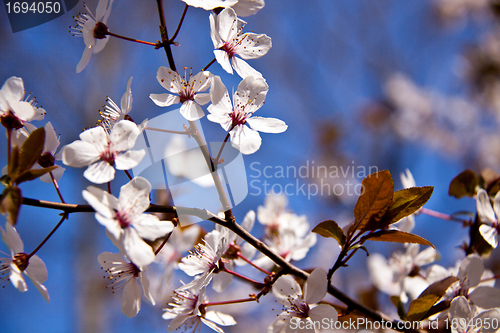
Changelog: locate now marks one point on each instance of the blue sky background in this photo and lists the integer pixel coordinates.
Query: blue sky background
(329, 59)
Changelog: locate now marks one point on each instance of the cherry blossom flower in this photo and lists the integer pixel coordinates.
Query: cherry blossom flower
(203, 262)
(229, 41)
(19, 262)
(125, 221)
(299, 311)
(249, 97)
(488, 215)
(14, 111)
(464, 319)
(210, 4)
(230, 258)
(114, 113)
(102, 152)
(187, 89)
(401, 275)
(288, 245)
(187, 310)
(126, 275)
(167, 260)
(93, 30)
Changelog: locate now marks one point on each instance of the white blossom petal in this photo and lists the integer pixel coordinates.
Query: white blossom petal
(267, 125)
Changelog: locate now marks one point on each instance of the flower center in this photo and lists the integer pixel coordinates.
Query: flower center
(21, 260)
(10, 121)
(123, 220)
(238, 118)
(100, 30)
(108, 156)
(46, 160)
(229, 49)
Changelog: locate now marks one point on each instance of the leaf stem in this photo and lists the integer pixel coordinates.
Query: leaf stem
(54, 181)
(209, 64)
(252, 264)
(180, 24)
(257, 284)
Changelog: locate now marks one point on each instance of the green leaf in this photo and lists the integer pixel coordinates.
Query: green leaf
(34, 174)
(396, 236)
(378, 189)
(331, 229)
(430, 296)
(406, 202)
(11, 202)
(30, 151)
(396, 300)
(464, 184)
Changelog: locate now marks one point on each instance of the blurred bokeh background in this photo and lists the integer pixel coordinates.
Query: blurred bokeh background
(384, 84)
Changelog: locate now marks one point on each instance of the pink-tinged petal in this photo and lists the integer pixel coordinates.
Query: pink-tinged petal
(134, 196)
(102, 202)
(209, 5)
(126, 101)
(131, 299)
(201, 81)
(472, 267)
(491, 316)
(223, 119)
(212, 325)
(95, 136)
(267, 125)
(51, 140)
(248, 7)
(280, 324)
(151, 228)
(220, 318)
(57, 173)
(202, 98)
(322, 311)
(102, 5)
(300, 252)
(243, 68)
(100, 172)
(191, 111)
(16, 278)
(169, 79)
(12, 239)
(111, 225)
(37, 272)
(227, 25)
(460, 308)
(223, 59)
(138, 251)
(12, 90)
(247, 140)
(108, 11)
(177, 320)
(84, 61)
(214, 33)
(221, 103)
(22, 110)
(490, 234)
(254, 46)
(36, 269)
(108, 260)
(254, 89)
(484, 209)
(315, 287)
(79, 154)
(286, 288)
(145, 287)
(221, 281)
(485, 297)
(164, 99)
(129, 159)
(123, 135)
(100, 44)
